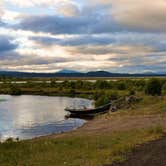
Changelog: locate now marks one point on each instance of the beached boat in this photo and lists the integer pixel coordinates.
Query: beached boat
(88, 111)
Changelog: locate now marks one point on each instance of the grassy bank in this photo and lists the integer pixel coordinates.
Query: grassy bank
(106, 139)
(81, 150)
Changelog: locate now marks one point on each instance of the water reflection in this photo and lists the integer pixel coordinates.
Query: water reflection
(31, 116)
(84, 117)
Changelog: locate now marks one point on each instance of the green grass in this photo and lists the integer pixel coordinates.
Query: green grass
(95, 150)
(149, 105)
(89, 149)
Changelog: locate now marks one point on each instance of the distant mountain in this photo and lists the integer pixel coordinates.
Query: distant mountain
(150, 73)
(99, 73)
(71, 73)
(67, 71)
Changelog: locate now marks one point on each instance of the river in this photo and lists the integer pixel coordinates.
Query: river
(29, 116)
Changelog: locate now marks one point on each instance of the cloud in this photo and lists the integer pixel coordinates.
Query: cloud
(32, 3)
(74, 41)
(10, 15)
(6, 44)
(70, 25)
(115, 58)
(56, 25)
(1, 13)
(68, 10)
(134, 15)
(114, 35)
(142, 15)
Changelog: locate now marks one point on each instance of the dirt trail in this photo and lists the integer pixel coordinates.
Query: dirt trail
(115, 124)
(150, 154)
(123, 123)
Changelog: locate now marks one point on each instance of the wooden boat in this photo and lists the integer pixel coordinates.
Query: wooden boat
(88, 111)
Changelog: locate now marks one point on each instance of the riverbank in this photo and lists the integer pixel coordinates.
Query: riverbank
(103, 141)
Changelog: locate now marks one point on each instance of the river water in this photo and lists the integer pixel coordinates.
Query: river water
(29, 116)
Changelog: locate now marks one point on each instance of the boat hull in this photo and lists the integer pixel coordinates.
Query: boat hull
(99, 110)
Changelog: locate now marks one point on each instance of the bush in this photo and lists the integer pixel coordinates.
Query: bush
(9, 140)
(72, 92)
(113, 95)
(100, 84)
(104, 99)
(140, 84)
(164, 89)
(98, 94)
(153, 87)
(132, 92)
(14, 90)
(121, 85)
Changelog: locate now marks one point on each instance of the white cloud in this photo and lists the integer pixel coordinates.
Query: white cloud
(30, 3)
(145, 15)
(59, 7)
(10, 15)
(68, 10)
(1, 9)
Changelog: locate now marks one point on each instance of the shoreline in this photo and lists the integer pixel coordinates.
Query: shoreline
(108, 139)
(105, 123)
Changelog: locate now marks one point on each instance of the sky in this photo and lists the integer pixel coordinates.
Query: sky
(122, 36)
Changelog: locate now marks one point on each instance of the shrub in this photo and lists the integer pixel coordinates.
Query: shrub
(102, 84)
(14, 90)
(132, 92)
(140, 84)
(121, 85)
(104, 99)
(72, 92)
(164, 89)
(98, 94)
(113, 95)
(9, 140)
(153, 87)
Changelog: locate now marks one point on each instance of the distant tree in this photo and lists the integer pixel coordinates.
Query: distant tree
(153, 87)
